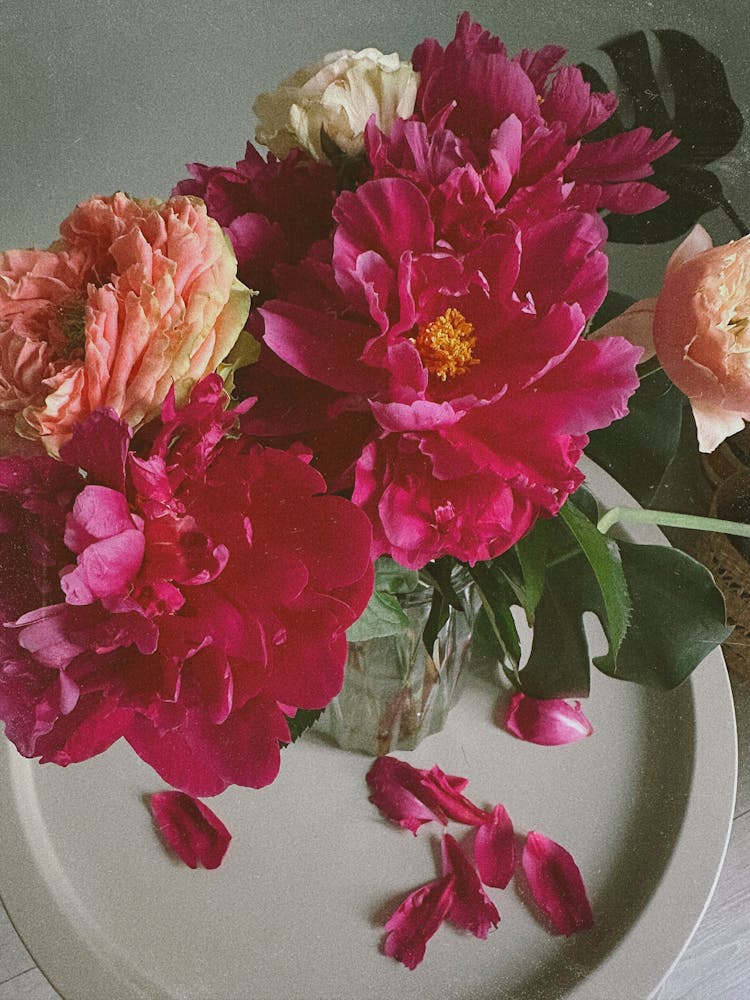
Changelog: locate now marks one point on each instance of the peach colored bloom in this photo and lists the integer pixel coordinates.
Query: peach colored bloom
(699, 328)
(136, 295)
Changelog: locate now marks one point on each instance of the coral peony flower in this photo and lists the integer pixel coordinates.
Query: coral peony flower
(338, 95)
(702, 333)
(187, 596)
(699, 328)
(136, 297)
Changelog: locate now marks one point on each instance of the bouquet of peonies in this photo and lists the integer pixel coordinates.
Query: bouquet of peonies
(227, 415)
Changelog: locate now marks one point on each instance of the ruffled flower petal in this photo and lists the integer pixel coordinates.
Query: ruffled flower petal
(556, 885)
(193, 831)
(471, 908)
(495, 849)
(411, 796)
(547, 721)
(417, 919)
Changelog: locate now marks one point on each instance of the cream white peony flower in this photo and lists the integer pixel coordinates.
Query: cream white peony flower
(339, 94)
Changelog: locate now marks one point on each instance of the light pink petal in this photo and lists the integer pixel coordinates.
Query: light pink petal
(193, 831)
(417, 919)
(471, 908)
(495, 849)
(714, 425)
(549, 722)
(636, 325)
(696, 241)
(556, 884)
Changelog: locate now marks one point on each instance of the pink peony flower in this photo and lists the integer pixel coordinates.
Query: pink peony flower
(192, 830)
(136, 297)
(273, 210)
(473, 87)
(212, 588)
(547, 721)
(479, 388)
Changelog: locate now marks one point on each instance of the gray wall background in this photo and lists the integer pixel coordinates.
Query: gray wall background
(99, 96)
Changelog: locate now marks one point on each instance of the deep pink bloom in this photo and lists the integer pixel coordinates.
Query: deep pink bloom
(411, 796)
(495, 849)
(193, 831)
(416, 920)
(472, 364)
(472, 87)
(213, 584)
(547, 721)
(471, 908)
(274, 210)
(556, 884)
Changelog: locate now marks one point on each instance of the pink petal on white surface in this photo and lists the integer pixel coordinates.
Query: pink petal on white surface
(471, 908)
(556, 885)
(396, 789)
(548, 722)
(193, 831)
(417, 919)
(495, 849)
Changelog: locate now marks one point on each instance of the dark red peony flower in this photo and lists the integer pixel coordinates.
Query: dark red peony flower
(188, 597)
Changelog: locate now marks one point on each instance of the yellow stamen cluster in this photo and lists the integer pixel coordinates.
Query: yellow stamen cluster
(446, 345)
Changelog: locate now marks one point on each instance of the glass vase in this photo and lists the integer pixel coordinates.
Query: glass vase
(395, 692)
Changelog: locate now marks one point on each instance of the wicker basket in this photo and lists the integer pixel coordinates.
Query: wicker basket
(731, 569)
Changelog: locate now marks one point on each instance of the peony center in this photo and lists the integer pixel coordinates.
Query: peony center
(446, 345)
(73, 324)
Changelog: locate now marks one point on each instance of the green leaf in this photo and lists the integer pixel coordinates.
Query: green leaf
(382, 616)
(603, 557)
(706, 120)
(301, 722)
(497, 597)
(678, 616)
(531, 553)
(438, 616)
(613, 306)
(392, 578)
(637, 450)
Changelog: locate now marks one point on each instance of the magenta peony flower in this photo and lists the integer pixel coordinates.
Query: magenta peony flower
(473, 88)
(188, 596)
(273, 210)
(479, 389)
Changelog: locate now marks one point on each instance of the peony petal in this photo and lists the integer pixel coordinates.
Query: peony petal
(471, 908)
(636, 325)
(696, 241)
(714, 425)
(395, 789)
(556, 884)
(549, 722)
(495, 849)
(193, 831)
(412, 796)
(417, 919)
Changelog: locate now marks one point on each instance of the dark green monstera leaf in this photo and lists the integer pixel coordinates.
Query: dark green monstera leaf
(705, 118)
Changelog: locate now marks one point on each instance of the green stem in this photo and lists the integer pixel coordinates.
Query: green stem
(668, 519)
